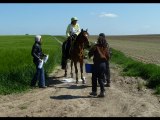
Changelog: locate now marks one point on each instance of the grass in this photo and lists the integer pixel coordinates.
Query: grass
(17, 68)
(157, 89)
(16, 62)
(149, 72)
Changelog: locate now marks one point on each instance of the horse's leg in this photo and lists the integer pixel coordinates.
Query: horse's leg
(81, 67)
(76, 71)
(65, 75)
(71, 69)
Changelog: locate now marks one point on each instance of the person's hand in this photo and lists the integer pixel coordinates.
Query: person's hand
(40, 60)
(72, 37)
(75, 35)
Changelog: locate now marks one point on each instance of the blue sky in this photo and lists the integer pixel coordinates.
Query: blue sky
(53, 18)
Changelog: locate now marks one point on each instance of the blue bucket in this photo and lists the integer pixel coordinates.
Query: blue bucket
(89, 68)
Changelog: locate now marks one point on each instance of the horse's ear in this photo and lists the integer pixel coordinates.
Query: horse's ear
(81, 30)
(87, 29)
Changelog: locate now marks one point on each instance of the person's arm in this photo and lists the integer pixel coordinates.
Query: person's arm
(43, 55)
(78, 29)
(68, 31)
(91, 51)
(109, 51)
(107, 55)
(34, 51)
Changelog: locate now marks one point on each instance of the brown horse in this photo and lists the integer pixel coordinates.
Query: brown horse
(76, 53)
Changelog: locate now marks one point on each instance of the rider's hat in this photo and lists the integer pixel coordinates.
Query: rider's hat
(74, 19)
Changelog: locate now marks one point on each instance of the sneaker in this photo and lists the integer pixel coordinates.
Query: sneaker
(108, 85)
(43, 87)
(104, 83)
(93, 93)
(102, 94)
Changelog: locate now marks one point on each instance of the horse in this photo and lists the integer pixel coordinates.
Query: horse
(76, 53)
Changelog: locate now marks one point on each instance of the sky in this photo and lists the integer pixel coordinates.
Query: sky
(53, 18)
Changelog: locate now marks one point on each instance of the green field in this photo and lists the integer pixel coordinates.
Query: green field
(16, 62)
(17, 68)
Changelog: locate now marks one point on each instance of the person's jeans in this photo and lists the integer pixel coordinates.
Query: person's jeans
(38, 75)
(98, 74)
(107, 74)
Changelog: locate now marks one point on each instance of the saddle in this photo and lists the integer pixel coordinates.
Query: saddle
(66, 50)
(71, 40)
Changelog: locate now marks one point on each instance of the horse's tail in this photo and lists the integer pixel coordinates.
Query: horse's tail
(63, 63)
(64, 55)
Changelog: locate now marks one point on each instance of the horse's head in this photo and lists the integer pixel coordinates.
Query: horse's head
(83, 37)
(85, 34)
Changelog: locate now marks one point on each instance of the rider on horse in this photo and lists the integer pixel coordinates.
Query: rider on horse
(73, 28)
(72, 32)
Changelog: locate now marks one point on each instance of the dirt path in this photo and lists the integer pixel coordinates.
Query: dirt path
(64, 99)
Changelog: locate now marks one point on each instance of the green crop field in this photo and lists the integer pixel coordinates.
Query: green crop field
(17, 68)
(16, 65)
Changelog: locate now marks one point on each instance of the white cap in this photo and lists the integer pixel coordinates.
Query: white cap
(37, 38)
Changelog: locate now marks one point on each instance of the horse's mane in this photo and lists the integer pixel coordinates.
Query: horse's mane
(80, 34)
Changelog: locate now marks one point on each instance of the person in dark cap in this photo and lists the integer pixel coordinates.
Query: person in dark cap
(101, 55)
(107, 75)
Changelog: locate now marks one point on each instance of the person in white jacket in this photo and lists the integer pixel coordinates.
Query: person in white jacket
(73, 28)
(72, 31)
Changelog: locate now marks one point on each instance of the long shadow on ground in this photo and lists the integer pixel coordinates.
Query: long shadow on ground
(75, 86)
(67, 97)
(53, 80)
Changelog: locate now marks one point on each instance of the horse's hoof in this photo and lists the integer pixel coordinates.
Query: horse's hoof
(76, 82)
(71, 75)
(65, 75)
(83, 82)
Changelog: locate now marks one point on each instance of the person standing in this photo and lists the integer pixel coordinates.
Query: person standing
(37, 59)
(107, 75)
(101, 55)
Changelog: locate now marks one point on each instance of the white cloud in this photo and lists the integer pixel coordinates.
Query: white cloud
(110, 15)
